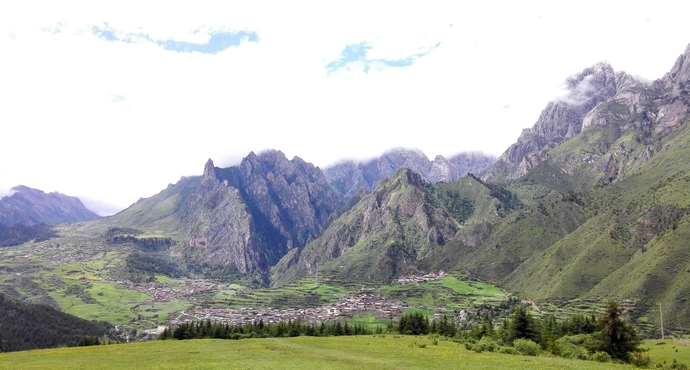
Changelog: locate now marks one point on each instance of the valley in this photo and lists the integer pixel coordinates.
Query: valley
(86, 281)
(585, 218)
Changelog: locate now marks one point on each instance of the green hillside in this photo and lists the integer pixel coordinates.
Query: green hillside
(396, 228)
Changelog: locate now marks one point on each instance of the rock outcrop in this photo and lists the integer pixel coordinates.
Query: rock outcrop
(28, 206)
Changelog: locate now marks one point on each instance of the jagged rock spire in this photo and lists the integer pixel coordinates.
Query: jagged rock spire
(209, 172)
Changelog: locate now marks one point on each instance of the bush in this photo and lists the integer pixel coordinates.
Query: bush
(572, 346)
(601, 356)
(526, 347)
(639, 359)
(487, 344)
(507, 350)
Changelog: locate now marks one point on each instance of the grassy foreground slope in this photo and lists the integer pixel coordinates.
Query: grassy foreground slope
(391, 352)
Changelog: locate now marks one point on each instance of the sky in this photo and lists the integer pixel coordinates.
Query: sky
(113, 101)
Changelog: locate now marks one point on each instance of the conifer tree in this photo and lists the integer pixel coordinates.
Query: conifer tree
(617, 337)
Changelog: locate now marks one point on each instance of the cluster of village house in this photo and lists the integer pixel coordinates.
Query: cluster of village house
(164, 293)
(421, 279)
(347, 306)
(58, 254)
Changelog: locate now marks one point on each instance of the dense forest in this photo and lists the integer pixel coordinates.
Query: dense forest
(18, 234)
(32, 326)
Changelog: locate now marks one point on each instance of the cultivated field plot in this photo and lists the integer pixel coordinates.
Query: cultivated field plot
(450, 292)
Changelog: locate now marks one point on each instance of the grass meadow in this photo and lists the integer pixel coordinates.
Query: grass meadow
(363, 352)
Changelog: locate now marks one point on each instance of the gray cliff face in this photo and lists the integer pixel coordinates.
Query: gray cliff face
(558, 122)
(28, 206)
(293, 196)
(348, 177)
(677, 103)
(253, 214)
(221, 225)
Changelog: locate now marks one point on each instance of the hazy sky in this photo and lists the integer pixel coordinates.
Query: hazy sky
(113, 102)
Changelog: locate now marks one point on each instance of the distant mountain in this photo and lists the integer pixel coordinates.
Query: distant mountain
(350, 176)
(29, 206)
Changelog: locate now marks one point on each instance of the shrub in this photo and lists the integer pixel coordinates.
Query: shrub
(639, 359)
(571, 346)
(526, 347)
(601, 356)
(487, 344)
(507, 350)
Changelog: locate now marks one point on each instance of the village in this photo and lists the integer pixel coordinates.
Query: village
(164, 292)
(347, 306)
(421, 279)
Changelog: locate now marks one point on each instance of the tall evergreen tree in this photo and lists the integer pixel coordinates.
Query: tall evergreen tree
(618, 338)
(522, 326)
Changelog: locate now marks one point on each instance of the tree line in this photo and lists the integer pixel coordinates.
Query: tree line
(260, 329)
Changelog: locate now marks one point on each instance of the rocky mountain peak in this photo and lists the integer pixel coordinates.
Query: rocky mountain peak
(29, 206)
(560, 120)
(405, 176)
(263, 208)
(680, 68)
(678, 79)
(209, 172)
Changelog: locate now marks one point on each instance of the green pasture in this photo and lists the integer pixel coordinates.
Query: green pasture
(449, 292)
(363, 352)
(158, 312)
(667, 350)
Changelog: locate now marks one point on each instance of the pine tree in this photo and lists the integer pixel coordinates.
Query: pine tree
(550, 335)
(618, 338)
(522, 326)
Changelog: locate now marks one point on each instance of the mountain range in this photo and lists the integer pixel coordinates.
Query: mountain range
(28, 206)
(592, 201)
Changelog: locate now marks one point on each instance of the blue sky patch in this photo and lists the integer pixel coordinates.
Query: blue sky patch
(219, 41)
(356, 54)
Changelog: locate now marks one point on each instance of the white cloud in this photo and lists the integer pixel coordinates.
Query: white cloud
(113, 122)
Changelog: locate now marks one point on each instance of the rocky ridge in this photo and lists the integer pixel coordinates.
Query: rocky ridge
(614, 103)
(348, 177)
(28, 206)
(558, 122)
